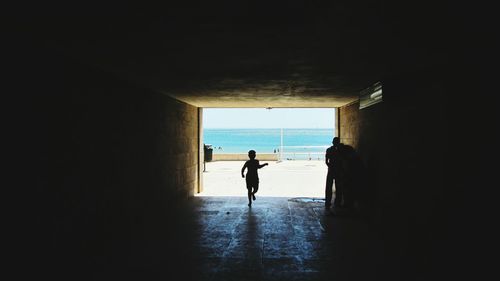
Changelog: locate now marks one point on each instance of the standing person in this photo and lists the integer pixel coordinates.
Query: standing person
(332, 161)
(252, 178)
(344, 178)
(351, 175)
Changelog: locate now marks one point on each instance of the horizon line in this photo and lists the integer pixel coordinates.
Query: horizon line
(267, 128)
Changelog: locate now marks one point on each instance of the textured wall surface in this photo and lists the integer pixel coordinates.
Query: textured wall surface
(402, 142)
(109, 163)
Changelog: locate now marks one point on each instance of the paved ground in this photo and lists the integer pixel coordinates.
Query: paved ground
(285, 235)
(279, 239)
(283, 179)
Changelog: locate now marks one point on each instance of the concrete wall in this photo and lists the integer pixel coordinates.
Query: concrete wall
(109, 163)
(402, 142)
(201, 151)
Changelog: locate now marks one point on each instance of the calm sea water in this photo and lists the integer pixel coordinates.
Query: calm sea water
(297, 143)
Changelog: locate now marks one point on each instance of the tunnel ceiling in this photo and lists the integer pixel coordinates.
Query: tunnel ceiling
(244, 54)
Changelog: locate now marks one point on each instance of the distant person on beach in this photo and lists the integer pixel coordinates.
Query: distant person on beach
(252, 178)
(332, 160)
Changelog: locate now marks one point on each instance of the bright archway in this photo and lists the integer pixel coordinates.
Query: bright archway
(292, 140)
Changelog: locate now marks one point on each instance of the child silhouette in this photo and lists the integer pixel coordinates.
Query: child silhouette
(252, 178)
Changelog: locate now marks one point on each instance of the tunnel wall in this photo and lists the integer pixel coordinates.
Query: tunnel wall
(109, 165)
(401, 142)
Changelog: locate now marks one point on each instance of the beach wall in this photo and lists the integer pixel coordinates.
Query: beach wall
(244, 157)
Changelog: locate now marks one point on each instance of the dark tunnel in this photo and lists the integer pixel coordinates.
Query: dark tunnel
(108, 102)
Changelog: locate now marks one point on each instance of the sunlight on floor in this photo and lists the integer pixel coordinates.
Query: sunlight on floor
(297, 178)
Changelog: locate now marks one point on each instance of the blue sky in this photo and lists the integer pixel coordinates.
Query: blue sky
(268, 118)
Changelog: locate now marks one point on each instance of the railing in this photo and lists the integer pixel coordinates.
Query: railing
(302, 153)
(301, 156)
(243, 156)
(283, 154)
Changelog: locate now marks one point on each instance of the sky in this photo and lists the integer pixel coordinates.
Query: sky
(268, 118)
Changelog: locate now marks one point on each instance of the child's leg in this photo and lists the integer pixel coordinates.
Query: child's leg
(249, 191)
(249, 196)
(255, 187)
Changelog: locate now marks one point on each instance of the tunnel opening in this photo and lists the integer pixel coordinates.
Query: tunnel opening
(292, 141)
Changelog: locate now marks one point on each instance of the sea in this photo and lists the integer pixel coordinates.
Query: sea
(291, 144)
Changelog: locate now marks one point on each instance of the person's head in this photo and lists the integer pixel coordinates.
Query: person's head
(251, 154)
(336, 141)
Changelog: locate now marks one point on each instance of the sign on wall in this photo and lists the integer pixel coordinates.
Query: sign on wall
(370, 96)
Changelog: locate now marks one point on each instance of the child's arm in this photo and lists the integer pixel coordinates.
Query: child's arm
(265, 164)
(243, 170)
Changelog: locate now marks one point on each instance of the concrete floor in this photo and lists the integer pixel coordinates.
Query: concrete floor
(285, 235)
(279, 238)
(219, 238)
(216, 236)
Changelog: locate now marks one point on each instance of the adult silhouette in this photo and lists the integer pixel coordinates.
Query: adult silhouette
(332, 161)
(348, 177)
